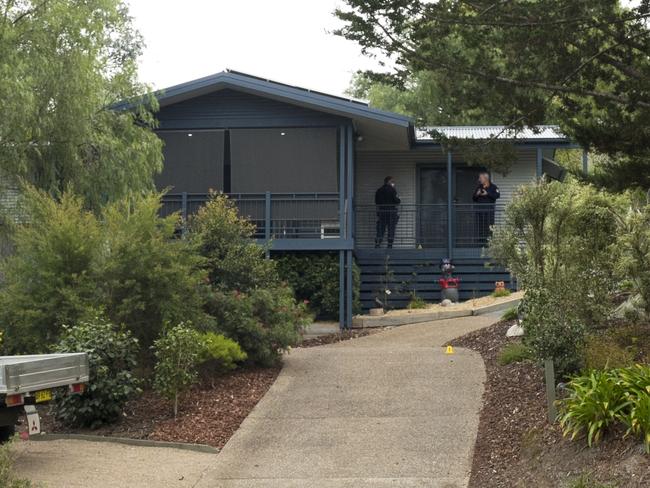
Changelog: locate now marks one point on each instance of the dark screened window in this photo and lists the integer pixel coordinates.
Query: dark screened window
(193, 161)
(283, 160)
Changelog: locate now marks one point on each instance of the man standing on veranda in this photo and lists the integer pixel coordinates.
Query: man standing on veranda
(386, 200)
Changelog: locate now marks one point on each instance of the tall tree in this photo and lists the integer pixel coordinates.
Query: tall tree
(63, 63)
(582, 63)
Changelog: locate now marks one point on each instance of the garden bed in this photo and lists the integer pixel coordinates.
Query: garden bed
(517, 447)
(209, 414)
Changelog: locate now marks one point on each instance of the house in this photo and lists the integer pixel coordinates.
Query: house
(304, 166)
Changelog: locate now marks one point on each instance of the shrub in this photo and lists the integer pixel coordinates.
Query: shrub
(552, 330)
(510, 314)
(633, 246)
(503, 292)
(315, 277)
(594, 404)
(264, 322)
(112, 357)
(234, 261)
(416, 302)
(7, 478)
(69, 262)
(599, 399)
(178, 354)
(514, 352)
(562, 233)
(220, 353)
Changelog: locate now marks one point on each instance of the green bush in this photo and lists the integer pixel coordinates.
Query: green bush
(416, 302)
(234, 261)
(600, 399)
(510, 314)
(112, 357)
(248, 302)
(594, 404)
(7, 477)
(514, 352)
(315, 277)
(220, 353)
(264, 322)
(69, 262)
(178, 354)
(557, 234)
(504, 292)
(552, 330)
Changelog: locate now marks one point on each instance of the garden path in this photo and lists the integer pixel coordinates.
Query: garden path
(390, 409)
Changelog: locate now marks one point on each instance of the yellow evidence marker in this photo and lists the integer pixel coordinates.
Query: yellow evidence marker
(450, 350)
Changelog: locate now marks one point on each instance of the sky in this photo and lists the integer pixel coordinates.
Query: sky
(284, 40)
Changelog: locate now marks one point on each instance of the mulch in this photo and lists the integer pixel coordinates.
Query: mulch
(209, 414)
(517, 447)
(345, 335)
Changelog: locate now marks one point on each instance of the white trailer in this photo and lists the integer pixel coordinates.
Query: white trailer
(26, 381)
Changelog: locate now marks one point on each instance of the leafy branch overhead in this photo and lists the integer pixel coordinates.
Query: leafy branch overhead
(581, 63)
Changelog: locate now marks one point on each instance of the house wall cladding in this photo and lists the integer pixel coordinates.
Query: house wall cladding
(373, 166)
(235, 109)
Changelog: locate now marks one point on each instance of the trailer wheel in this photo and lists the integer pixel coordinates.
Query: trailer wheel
(6, 432)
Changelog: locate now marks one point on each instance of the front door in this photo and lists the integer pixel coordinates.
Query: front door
(432, 207)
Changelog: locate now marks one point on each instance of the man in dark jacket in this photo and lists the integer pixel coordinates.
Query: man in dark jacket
(387, 200)
(485, 195)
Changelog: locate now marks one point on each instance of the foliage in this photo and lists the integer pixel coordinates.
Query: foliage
(219, 352)
(495, 61)
(233, 259)
(112, 356)
(64, 64)
(514, 352)
(315, 277)
(594, 405)
(416, 302)
(178, 353)
(633, 246)
(7, 478)
(503, 292)
(264, 322)
(248, 302)
(603, 352)
(552, 329)
(585, 480)
(556, 235)
(601, 399)
(69, 262)
(510, 314)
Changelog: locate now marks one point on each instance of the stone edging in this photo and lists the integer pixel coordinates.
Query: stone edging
(125, 440)
(367, 321)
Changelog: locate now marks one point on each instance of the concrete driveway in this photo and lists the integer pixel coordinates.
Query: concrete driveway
(386, 410)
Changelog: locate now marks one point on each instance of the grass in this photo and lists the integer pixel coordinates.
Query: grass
(504, 292)
(7, 478)
(586, 481)
(416, 303)
(510, 314)
(515, 352)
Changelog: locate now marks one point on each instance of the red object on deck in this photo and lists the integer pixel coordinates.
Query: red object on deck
(449, 283)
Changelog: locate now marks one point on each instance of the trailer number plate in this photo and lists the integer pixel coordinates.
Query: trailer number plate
(43, 396)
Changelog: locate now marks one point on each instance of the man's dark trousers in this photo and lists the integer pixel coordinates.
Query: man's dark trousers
(386, 220)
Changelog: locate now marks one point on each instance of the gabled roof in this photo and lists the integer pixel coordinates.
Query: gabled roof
(542, 133)
(273, 89)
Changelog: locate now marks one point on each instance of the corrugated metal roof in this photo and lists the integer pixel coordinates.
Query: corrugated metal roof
(542, 132)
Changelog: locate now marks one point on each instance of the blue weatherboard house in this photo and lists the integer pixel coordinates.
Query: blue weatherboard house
(304, 167)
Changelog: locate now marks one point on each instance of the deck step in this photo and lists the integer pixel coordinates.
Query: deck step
(409, 270)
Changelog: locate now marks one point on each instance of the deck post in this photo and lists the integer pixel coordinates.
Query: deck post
(267, 221)
(348, 298)
(585, 162)
(341, 289)
(341, 138)
(450, 209)
(350, 181)
(184, 211)
(538, 167)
